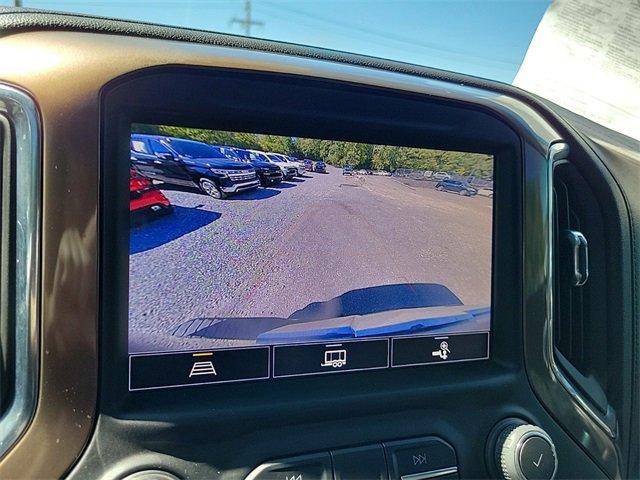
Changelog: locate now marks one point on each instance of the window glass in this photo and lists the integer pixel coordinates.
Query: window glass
(195, 149)
(158, 147)
(482, 38)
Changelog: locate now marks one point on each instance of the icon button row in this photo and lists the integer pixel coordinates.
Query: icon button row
(173, 369)
(414, 459)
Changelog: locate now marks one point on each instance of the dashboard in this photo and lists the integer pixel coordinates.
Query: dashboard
(199, 303)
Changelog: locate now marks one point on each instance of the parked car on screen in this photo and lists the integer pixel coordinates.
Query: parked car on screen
(441, 176)
(257, 155)
(191, 164)
(299, 164)
(288, 169)
(347, 170)
(456, 186)
(320, 167)
(308, 165)
(268, 173)
(144, 197)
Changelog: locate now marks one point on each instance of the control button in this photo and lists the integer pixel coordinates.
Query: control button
(420, 458)
(537, 459)
(359, 463)
(412, 350)
(318, 358)
(307, 467)
(161, 370)
(526, 452)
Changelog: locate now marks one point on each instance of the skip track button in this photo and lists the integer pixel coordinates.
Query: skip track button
(420, 458)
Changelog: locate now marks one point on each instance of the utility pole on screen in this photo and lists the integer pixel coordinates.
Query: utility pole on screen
(247, 22)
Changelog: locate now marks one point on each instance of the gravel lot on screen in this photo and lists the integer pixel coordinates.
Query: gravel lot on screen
(272, 251)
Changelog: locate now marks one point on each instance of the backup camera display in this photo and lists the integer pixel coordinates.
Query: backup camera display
(258, 256)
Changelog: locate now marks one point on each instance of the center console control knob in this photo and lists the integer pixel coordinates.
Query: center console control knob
(525, 452)
(151, 475)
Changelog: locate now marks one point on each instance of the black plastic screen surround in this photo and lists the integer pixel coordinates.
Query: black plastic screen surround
(149, 372)
(295, 106)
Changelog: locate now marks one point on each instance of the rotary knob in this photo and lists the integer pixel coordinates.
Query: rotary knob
(526, 452)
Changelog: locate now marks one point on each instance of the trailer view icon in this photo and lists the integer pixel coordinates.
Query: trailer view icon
(334, 358)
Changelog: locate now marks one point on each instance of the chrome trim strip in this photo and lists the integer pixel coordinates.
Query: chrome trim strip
(560, 151)
(21, 109)
(432, 474)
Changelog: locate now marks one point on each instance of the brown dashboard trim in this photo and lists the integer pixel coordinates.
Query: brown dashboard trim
(64, 72)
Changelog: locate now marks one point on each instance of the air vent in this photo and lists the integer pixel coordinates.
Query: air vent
(569, 301)
(580, 303)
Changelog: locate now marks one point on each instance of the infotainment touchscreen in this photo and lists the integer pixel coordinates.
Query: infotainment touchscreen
(256, 257)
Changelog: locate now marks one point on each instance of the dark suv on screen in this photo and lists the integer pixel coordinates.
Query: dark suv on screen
(456, 186)
(268, 173)
(320, 167)
(189, 163)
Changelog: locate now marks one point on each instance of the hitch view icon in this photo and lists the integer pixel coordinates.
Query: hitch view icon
(334, 358)
(444, 351)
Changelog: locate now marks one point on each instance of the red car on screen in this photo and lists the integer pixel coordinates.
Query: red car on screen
(144, 197)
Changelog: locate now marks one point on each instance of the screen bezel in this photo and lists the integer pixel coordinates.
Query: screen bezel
(484, 132)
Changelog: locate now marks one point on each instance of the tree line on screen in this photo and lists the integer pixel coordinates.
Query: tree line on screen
(339, 153)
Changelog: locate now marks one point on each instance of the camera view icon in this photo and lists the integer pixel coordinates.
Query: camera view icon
(443, 352)
(334, 358)
(202, 368)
